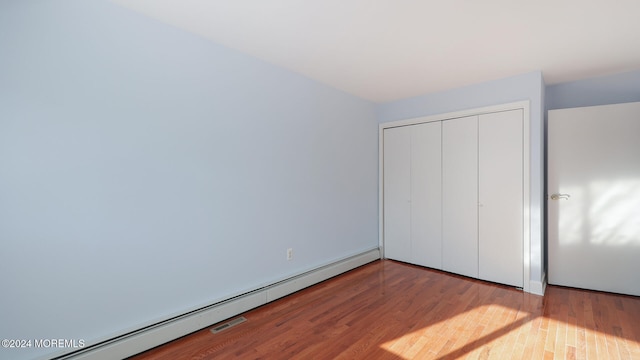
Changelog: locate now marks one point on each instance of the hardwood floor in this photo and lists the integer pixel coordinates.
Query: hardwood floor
(392, 310)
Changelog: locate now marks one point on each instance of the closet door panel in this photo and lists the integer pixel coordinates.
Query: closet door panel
(500, 197)
(397, 193)
(426, 195)
(460, 196)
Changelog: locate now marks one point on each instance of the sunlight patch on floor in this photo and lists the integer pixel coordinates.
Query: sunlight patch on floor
(460, 334)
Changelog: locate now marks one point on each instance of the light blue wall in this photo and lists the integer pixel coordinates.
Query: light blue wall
(145, 172)
(528, 86)
(604, 90)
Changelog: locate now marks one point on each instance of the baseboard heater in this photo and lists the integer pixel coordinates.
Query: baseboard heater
(163, 332)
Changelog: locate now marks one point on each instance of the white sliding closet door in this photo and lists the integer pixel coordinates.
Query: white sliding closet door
(500, 197)
(455, 193)
(460, 196)
(426, 195)
(397, 193)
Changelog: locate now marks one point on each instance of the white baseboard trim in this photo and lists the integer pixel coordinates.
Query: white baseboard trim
(150, 337)
(538, 287)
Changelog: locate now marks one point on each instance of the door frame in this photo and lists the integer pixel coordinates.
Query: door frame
(526, 161)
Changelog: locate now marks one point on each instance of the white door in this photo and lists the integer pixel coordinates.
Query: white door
(594, 202)
(397, 193)
(412, 194)
(460, 196)
(500, 197)
(426, 195)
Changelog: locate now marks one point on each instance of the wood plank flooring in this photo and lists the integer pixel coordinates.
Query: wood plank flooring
(392, 310)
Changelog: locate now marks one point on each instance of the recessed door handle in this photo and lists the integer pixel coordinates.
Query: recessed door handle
(560, 196)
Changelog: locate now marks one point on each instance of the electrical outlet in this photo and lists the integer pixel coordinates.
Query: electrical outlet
(289, 254)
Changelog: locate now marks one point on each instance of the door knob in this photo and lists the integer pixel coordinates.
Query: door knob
(560, 196)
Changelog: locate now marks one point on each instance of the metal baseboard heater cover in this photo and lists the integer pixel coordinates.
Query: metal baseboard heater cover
(144, 339)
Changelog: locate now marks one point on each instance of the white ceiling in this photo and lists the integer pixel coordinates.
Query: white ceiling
(384, 50)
